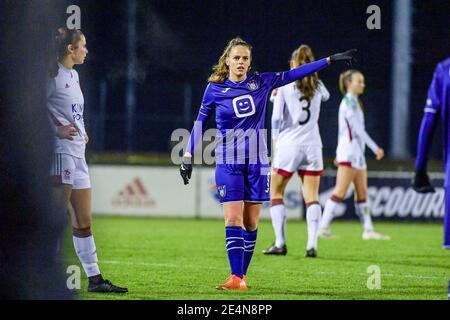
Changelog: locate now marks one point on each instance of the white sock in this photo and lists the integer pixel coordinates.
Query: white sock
(313, 213)
(278, 214)
(330, 205)
(87, 253)
(363, 211)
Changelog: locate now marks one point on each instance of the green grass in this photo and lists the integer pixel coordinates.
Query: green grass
(159, 258)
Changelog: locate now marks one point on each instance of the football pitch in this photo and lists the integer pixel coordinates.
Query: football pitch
(183, 259)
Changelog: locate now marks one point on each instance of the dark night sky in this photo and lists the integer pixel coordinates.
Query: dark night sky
(179, 41)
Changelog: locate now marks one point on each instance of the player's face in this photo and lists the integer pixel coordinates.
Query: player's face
(80, 51)
(357, 84)
(239, 62)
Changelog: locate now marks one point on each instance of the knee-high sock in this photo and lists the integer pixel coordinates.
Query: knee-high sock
(363, 211)
(87, 253)
(328, 211)
(313, 213)
(234, 240)
(249, 247)
(278, 214)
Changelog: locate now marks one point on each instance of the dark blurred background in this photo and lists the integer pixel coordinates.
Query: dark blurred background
(177, 42)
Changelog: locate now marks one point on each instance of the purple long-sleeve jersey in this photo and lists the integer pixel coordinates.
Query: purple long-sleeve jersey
(240, 113)
(437, 105)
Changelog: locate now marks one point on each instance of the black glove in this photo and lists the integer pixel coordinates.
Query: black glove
(347, 56)
(186, 169)
(421, 182)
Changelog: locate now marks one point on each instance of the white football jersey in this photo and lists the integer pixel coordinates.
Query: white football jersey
(352, 133)
(297, 117)
(65, 103)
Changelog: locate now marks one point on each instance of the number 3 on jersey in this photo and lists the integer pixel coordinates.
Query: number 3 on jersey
(306, 108)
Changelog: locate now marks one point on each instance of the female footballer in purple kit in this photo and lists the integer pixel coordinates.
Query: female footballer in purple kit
(65, 104)
(242, 166)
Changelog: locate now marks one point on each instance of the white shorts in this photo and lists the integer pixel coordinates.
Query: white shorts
(306, 160)
(67, 169)
(351, 155)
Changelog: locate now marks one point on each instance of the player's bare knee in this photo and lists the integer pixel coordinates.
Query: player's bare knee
(234, 221)
(250, 225)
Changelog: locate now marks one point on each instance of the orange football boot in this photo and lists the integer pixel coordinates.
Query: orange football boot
(233, 283)
(245, 280)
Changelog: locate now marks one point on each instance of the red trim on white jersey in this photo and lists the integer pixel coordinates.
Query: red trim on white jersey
(349, 130)
(55, 120)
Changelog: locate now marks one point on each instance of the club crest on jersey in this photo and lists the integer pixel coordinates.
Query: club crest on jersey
(252, 85)
(222, 191)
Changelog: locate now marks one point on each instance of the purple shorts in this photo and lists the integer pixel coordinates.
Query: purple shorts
(243, 182)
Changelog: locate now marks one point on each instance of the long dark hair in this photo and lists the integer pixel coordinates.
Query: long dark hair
(306, 85)
(61, 39)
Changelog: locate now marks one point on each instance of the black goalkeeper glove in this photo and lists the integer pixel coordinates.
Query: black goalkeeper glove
(421, 182)
(347, 56)
(186, 169)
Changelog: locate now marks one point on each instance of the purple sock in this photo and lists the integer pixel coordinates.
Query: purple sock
(249, 247)
(234, 240)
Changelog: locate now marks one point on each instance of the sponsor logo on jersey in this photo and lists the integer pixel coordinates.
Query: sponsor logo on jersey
(225, 90)
(77, 110)
(252, 85)
(244, 106)
(133, 195)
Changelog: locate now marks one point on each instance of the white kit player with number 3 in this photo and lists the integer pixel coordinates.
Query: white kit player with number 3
(298, 148)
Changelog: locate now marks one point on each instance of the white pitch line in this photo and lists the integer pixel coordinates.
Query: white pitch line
(167, 265)
(384, 275)
(152, 264)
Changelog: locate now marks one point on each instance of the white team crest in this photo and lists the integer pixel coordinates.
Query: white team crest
(222, 191)
(252, 85)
